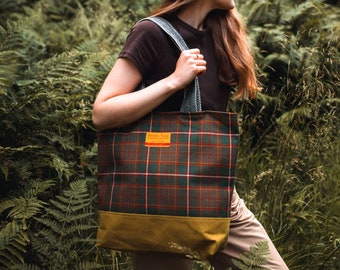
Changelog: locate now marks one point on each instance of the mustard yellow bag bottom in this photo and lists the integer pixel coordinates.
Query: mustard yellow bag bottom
(199, 237)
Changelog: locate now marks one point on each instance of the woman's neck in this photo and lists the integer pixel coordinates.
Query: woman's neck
(194, 13)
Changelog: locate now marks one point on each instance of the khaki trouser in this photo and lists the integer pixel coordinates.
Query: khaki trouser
(245, 231)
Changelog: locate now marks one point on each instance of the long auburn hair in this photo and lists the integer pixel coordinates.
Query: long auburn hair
(234, 55)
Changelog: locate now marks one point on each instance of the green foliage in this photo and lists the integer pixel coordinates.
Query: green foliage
(66, 229)
(14, 234)
(257, 256)
(53, 59)
(289, 171)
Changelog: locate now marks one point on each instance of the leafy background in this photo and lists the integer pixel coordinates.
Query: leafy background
(53, 59)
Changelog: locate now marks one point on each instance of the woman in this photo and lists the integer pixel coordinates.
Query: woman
(219, 55)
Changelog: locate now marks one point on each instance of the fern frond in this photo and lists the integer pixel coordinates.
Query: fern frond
(52, 224)
(14, 252)
(25, 208)
(38, 186)
(24, 267)
(67, 221)
(13, 242)
(78, 228)
(8, 68)
(60, 165)
(76, 199)
(28, 205)
(253, 259)
(71, 207)
(47, 236)
(8, 232)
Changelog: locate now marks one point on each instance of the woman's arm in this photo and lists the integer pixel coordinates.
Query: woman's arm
(117, 104)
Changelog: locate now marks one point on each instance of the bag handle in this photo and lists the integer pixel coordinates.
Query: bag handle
(192, 96)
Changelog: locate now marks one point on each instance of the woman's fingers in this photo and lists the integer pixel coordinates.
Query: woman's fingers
(200, 63)
(194, 57)
(190, 64)
(198, 56)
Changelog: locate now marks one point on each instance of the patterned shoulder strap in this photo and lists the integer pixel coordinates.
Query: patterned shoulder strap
(192, 96)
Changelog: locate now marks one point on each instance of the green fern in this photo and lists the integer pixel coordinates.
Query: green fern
(66, 226)
(14, 233)
(24, 267)
(253, 259)
(13, 243)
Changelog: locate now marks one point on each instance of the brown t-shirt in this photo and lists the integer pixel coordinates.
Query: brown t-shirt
(155, 56)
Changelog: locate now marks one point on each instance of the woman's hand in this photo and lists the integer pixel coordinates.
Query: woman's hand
(189, 64)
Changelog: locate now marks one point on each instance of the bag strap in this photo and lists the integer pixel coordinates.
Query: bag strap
(192, 96)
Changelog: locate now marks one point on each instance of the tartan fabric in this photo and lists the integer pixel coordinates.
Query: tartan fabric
(193, 176)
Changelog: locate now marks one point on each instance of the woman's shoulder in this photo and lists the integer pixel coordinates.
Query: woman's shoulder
(149, 28)
(145, 45)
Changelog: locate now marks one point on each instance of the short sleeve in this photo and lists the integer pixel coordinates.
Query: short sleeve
(143, 46)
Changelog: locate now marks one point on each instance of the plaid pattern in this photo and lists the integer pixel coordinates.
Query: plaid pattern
(194, 176)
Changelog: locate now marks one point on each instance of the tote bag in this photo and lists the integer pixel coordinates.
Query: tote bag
(165, 182)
